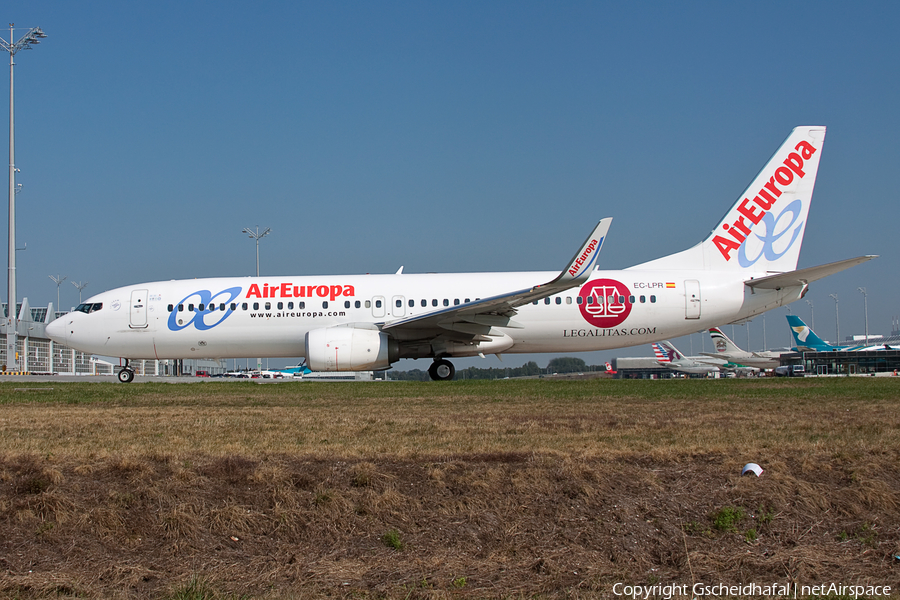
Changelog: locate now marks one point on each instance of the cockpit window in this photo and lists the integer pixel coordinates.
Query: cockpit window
(89, 307)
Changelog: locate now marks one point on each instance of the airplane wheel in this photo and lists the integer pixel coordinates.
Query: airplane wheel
(126, 375)
(441, 370)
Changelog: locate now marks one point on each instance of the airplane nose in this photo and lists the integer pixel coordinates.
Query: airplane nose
(56, 330)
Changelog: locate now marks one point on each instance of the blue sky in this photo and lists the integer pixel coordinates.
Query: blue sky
(444, 136)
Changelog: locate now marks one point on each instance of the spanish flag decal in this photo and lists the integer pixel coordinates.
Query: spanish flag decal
(670, 285)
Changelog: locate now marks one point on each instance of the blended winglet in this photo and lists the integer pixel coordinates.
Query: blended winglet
(582, 264)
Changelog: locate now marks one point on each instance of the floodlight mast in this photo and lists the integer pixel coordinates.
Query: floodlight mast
(80, 287)
(25, 42)
(58, 279)
(257, 236)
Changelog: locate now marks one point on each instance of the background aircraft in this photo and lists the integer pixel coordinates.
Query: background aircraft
(728, 350)
(668, 356)
(807, 340)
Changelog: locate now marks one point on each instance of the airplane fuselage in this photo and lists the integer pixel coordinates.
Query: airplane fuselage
(270, 316)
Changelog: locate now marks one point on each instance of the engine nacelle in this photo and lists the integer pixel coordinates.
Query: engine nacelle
(350, 349)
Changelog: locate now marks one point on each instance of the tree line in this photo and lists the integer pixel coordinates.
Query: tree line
(563, 364)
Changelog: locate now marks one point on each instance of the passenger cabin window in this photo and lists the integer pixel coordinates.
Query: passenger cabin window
(399, 303)
(446, 302)
(268, 306)
(378, 304)
(412, 303)
(346, 304)
(652, 298)
(424, 303)
(325, 304)
(256, 306)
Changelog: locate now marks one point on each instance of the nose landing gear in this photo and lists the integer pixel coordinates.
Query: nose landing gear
(126, 375)
(441, 370)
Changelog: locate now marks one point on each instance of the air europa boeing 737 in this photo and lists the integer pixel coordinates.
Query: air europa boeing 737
(747, 265)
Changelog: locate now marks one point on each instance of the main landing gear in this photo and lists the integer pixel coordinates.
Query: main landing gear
(441, 370)
(126, 375)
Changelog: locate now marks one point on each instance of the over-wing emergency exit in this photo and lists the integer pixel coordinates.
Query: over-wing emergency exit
(745, 266)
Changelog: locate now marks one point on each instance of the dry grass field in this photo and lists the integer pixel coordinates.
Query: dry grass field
(478, 489)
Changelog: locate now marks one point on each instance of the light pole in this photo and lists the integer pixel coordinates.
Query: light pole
(58, 280)
(812, 316)
(256, 235)
(862, 291)
(80, 287)
(837, 323)
(32, 37)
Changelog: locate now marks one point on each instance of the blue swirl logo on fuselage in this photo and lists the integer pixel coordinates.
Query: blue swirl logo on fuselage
(207, 318)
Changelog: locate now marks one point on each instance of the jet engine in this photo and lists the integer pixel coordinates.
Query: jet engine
(350, 349)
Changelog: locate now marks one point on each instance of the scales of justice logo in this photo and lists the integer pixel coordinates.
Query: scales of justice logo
(604, 302)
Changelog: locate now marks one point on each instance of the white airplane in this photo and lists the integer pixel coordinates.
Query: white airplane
(728, 350)
(746, 266)
(667, 355)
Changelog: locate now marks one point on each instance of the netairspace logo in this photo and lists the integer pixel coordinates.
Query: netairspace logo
(749, 590)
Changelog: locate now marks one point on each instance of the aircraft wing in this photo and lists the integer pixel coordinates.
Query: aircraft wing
(802, 277)
(475, 319)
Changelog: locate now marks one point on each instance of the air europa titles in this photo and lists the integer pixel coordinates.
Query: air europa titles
(583, 259)
(287, 290)
(764, 200)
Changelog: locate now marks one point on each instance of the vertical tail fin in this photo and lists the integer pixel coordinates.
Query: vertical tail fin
(804, 337)
(658, 352)
(762, 232)
(722, 342)
(666, 352)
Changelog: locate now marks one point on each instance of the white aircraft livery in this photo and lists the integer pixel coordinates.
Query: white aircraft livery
(747, 265)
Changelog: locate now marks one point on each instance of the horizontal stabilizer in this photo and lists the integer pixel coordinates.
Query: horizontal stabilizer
(801, 277)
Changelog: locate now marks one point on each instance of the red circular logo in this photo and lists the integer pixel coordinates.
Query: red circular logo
(604, 302)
